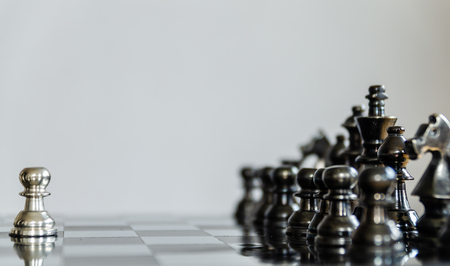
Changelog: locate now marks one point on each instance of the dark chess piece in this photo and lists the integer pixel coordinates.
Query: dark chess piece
(33, 250)
(434, 186)
(34, 220)
(323, 208)
(278, 250)
(246, 206)
(373, 130)
(299, 221)
(392, 153)
(335, 153)
(267, 196)
(334, 232)
(355, 147)
(283, 204)
(318, 146)
(290, 162)
(278, 213)
(377, 241)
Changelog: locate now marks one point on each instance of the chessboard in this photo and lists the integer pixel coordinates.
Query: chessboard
(137, 240)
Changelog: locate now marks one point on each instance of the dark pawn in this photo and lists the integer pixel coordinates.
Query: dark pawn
(323, 209)
(246, 206)
(334, 154)
(392, 153)
(373, 130)
(433, 188)
(334, 232)
(276, 216)
(377, 240)
(283, 204)
(299, 221)
(355, 147)
(267, 197)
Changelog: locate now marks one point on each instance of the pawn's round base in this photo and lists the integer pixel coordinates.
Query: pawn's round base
(33, 224)
(33, 232)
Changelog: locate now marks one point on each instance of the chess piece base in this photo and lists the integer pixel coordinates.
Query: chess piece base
(33, 224)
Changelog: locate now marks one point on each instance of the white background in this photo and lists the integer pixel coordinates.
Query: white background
(153, 106)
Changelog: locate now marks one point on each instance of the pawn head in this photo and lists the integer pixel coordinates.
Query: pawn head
(318, 179)
(377, 184)
(35, 178)
(247, 173)
(284, 177)
(340, 177)
(305, 177)
(264, 174)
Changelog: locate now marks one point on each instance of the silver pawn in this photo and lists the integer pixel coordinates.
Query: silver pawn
(34, 220)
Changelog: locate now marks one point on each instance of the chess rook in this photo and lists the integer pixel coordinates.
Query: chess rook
(34, 220)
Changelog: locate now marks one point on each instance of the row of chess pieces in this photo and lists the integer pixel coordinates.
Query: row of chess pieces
(355, 209)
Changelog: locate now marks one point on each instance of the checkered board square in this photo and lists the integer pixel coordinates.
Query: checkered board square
(134, 240)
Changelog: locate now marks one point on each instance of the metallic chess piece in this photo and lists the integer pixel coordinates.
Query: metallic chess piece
(337, 227)
(335, 153)
(323, 209)
(377, 241)
(299, 221)
(283, 204)
(34, 220)
(334, 232)
(318, 146)
(355, 147)
(373, 130)
(267, 197)
(33, 250)
(434, 186)
(392, 153)
(276, 216)
(246, 206)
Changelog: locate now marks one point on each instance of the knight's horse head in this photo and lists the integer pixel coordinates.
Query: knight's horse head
(434, 138)
(317, 146)
(430, 137)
